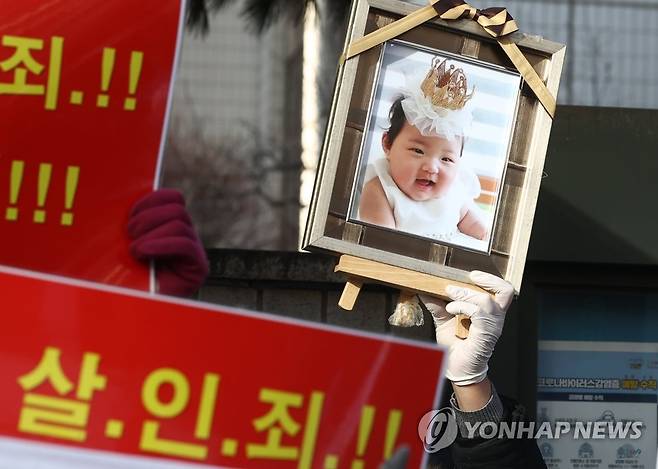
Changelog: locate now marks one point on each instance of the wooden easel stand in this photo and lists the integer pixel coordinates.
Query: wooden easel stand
(409, 283)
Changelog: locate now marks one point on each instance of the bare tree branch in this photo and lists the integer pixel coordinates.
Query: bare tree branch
(261, 14)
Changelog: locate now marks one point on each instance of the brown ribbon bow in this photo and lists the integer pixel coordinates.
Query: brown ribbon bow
(495, 21)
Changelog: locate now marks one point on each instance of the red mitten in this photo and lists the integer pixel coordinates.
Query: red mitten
(162, 231)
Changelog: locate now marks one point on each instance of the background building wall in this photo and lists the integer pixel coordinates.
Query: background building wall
(233, 145)
(597, 202)
(611, 47)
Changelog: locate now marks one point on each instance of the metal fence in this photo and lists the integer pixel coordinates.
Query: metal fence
(612, 57)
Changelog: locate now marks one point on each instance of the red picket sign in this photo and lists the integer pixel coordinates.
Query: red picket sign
(85, 87)
(88, 366)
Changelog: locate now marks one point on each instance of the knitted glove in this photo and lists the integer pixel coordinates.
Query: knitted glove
(162, 231)
(468, 359)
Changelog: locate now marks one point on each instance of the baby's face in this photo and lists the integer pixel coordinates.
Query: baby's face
(422, 167)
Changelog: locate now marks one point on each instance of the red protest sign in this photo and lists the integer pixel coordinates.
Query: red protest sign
(84, 92)
(95, 367)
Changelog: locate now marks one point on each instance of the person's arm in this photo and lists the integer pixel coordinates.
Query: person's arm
(471, 223)
(475, 398)
(474, 452)
(374, 207)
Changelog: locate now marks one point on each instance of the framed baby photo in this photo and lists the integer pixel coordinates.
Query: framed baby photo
(434, 149)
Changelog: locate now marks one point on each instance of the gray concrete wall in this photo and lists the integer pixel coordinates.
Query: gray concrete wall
(302, 286)
(598, 200)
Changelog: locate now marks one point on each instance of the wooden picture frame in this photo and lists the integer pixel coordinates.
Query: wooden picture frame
(332, 225)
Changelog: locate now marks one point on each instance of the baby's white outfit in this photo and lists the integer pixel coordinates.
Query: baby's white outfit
(434, 218)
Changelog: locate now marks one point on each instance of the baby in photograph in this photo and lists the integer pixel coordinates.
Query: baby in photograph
(421, 186)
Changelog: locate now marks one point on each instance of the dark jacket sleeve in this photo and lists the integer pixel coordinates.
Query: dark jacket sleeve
(503, 453)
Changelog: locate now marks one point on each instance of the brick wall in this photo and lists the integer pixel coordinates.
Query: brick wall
(302, 286)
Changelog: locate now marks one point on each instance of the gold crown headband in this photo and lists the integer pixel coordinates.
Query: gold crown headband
(446, 88)
(439, 105)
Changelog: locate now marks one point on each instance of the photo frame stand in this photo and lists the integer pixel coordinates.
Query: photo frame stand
(408, 261)
(409, 282)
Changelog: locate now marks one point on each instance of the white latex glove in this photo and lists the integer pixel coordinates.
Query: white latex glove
(468, 359)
